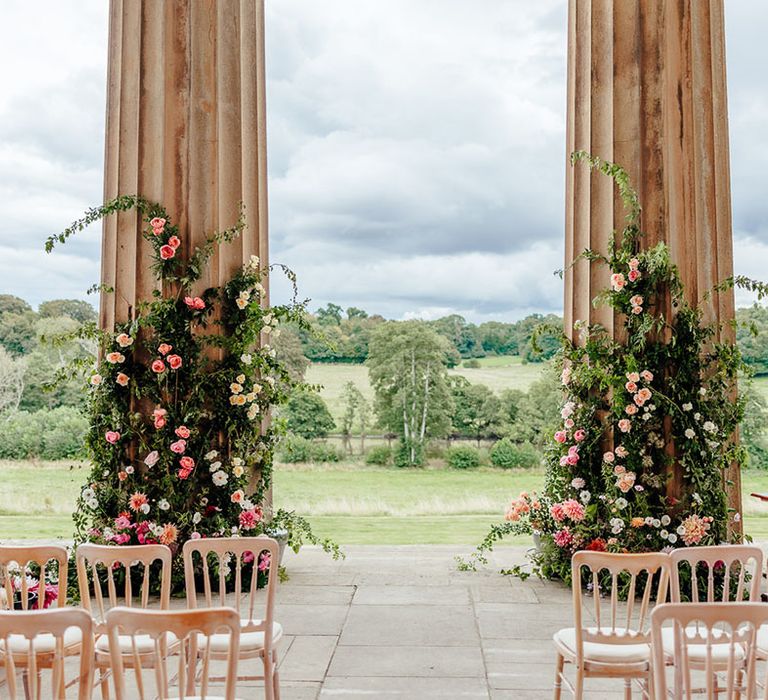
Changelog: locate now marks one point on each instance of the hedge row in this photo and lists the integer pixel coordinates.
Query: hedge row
(56, 433)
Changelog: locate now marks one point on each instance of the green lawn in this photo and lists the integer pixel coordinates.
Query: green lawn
(349, 503)
(499, 373)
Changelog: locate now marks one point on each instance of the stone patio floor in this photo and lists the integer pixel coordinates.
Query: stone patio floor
(396, 622)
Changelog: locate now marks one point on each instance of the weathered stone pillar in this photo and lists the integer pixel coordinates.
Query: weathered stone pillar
(647, 90)
(185, 127)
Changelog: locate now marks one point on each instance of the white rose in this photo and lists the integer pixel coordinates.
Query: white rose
(709, 426)
(665, 520)
(215, 466)
(246, 358)
(211, 455)
(687, 406)
(196, 518)
(689, 433)
(144, 508)
(163, 504)
(672, 537)
(220, 478)
(702, 391)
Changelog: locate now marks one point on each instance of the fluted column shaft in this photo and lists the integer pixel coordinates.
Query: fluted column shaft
(647, 90)
(185, 127)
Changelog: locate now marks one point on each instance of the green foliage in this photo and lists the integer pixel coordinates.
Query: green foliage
(295, 449)
(753, 433)
(463, 457)
(534, 411)
(307, 415)
(379, 455)
(75, 309)
(17, 332)
(509, 455)
(660, 381)
(176, 433)
(13, 304)
(752, 337)
(477, 410)
(407, 369)
(471, 364)
(45, 434)
(290, 353)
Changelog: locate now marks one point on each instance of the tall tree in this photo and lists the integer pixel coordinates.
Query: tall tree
(477, 410)
(13, 304)
(11, 381)
(406, 365)
(76, 309)
(307, 415)
(291, 354)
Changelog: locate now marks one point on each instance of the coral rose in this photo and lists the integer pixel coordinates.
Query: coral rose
(633, 275)
(182, 431)
(157, 223)
(124, 340)
(647, 375)
(174, 242)
(167, 252)
(158, 366)
(122, 379)
(164, 348)
(112, 436)
(174, 361)
(624, 425)
(194, 303)
(187, 462)
(617, 281)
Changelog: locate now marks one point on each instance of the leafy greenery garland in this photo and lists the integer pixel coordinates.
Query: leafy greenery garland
(662, 397)
(179, 436)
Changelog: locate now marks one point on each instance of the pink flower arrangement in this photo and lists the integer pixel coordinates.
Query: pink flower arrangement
(573, 510)
(174, 361)
(112, 436)
(122, 522)
(187, 465)
(264, 561)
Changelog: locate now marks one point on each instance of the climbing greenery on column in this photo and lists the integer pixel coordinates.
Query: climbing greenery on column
(177, 403)
(638, 461)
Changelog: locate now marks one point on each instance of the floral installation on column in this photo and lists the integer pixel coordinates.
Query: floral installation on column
(178, 400)
(660, 400)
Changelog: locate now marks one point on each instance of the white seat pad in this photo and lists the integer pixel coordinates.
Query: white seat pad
(697, 653)
(249, 641)
(144, 643)
(605, 653)
(42, 643)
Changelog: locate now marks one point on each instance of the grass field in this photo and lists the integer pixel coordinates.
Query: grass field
(499, 373)
(351, 504)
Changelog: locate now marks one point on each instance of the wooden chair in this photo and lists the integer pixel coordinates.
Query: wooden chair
(193, 629)
(17, 593)
(257, 635)
(725, 667)
(617, 645)
(37, 640)
(98, 565)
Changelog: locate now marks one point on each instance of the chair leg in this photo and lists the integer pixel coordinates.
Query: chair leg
(104, 683)
(269, 678)
(627, 689)
(578, 686)
(276, 676)
(558, 676)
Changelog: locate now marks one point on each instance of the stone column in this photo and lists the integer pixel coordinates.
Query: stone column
(647, 90)
(186, 126)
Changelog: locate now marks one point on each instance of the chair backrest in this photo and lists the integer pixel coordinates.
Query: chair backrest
(725, 637)
(98, 565)
(17, 632)
(641, 579)
(192, 630)
(727, 565)
(24, 576)
(229, 568)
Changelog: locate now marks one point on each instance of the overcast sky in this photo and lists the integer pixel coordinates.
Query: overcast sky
(416, 149)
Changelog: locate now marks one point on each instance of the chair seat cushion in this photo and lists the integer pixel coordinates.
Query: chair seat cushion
(249, 641)
(697, 653)
(42, 643)
(605, 653)
(144, 643)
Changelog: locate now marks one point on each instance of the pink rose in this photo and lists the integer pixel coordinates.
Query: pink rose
(111, 436)
(579, 435)
(644, 393)
(633, 275)
(639, 400)
(631, 387)
(151, 459)
(624, 425)
(608, 457)
(637, 310)
(572, 459)
(174, 361)
(634, 264)
(157, 224)
(164, 348)
(194, 303)
(158, 366)
(167, 252)
(187, 462)
(569, 423)
(636, 300)
(560, 436)
(174, 242)
(564, 461)
(621, 451)
(182, 431)
(159, 415)
(179, 446)
(646, 375)
(630, 410)
(633, 377)
(617, 281)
